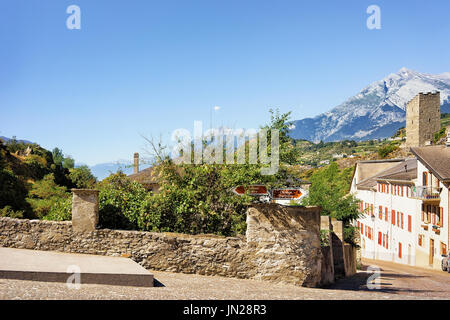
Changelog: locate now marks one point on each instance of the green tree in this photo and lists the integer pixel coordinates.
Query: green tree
(58, 156)
(82, 177)
(329, 190)
(68, 162)
(45, 194)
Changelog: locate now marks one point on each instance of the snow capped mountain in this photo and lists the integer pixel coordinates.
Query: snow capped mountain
(375, 112)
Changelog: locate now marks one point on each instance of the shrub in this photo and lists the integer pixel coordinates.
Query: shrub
(9, 212)
(384, 151)
(44, 195)
(60, 210)
(82, 177)
(120, 202)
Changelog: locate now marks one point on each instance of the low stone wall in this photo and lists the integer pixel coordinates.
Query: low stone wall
(282, 244)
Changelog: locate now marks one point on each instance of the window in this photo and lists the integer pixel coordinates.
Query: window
(443, 248)
(401, 193)
(441, 217)
(409, 223)
(425, 178)
(380, 212)
(398, 219)
(420, 240)
(423, 212)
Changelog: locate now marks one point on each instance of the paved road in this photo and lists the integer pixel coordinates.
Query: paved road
(397, 282)
(400, 280)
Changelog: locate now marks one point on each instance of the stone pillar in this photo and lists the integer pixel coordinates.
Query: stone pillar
(284, 243)
(327, 252)
(338, 248)
(84, 210)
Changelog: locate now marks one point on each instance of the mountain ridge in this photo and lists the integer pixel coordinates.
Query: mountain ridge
(377, 111)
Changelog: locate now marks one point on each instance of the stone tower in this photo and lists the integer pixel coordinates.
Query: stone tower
(423, 119)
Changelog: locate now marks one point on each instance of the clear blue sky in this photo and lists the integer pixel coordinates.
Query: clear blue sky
(154, 66)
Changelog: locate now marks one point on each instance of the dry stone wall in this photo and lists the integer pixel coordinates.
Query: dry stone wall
(282, 244)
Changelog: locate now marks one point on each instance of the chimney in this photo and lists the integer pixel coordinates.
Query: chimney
(448, 140)
(136, 163)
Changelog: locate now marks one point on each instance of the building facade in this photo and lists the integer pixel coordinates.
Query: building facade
(404, 206)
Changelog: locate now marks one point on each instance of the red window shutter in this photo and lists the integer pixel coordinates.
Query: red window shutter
(379, 237)
(399, 249)
(441, 216)
(387, 242)
(402, 220)
(409, 223)
(393, 217)
(362, 228)
(386, 214)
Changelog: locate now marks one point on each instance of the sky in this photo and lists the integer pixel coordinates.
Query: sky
(146, 68)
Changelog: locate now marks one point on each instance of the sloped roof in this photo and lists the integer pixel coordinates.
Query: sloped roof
(398, 172)
(146, 176)
(436, 159)
(405, 171)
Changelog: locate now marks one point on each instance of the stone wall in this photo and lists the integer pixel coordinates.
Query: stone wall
(282, 245)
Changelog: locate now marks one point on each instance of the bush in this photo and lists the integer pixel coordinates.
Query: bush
(45, 195)
(60, 210)
(439, 135)
(120, 202)
(9, 212)
(82, 177)
(384, 151)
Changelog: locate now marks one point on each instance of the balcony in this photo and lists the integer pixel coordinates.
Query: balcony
(426, 193)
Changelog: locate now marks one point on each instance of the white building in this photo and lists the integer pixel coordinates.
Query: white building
(405, 207)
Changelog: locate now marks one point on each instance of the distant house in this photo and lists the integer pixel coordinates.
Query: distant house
(149, 178)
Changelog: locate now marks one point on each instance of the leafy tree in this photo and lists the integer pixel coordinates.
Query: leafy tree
(82, 177)
(329, 190)
(58, 156)
(120, 202)
(68, 162)
(44, 194)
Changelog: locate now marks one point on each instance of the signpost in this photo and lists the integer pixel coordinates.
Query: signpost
(275, 194)
(287, 194)
(255, 190)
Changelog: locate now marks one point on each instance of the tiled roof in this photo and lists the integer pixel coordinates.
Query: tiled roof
(436, 159)
(397, 172)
